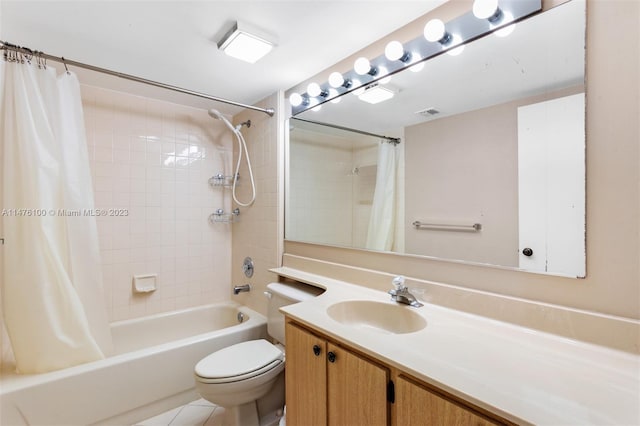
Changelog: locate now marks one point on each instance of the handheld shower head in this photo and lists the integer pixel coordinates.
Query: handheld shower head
(215, 114)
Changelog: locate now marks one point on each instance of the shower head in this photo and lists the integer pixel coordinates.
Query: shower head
(215, 114)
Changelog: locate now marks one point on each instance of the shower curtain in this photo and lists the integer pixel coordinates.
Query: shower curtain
(52, 298)
(380, 235)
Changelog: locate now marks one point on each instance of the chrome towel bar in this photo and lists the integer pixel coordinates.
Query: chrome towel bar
(447, 227)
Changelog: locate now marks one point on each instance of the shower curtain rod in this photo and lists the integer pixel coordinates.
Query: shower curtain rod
(389, 139)
(29, 52)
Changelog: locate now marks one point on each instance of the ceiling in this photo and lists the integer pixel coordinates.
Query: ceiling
(174, 42)
(544, 53)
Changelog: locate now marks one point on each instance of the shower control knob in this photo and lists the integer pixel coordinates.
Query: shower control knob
(527, 252)
(331, 356)
(316, 350)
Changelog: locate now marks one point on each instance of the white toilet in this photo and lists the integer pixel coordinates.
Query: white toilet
(237, 376)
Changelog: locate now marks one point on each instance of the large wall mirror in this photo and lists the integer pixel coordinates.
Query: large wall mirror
(490, 164)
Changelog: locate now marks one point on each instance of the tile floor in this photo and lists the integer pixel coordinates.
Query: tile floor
(197, 413)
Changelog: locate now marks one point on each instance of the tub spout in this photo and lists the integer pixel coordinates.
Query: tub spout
(241, 288)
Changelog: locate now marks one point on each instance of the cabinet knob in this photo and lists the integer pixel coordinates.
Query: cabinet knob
(527, 252)
(331, 356)
(316, 350)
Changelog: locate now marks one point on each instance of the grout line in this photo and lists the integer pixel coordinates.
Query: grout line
(174, 417)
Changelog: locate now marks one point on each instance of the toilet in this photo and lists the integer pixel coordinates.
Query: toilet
(237, 376)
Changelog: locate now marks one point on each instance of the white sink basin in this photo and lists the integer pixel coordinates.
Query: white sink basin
(381, 317)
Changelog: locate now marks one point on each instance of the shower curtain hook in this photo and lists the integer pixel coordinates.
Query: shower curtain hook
(65, 65)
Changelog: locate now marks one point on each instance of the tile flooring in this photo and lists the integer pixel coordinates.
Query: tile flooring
(197, 413)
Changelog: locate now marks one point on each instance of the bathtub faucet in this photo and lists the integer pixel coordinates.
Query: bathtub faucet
(241, 288)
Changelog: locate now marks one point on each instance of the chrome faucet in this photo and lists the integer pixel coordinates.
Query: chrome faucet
(401, 293)
(241, 288)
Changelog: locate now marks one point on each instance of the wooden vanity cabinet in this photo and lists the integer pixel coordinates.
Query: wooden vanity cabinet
(327, 384)
(418, 405)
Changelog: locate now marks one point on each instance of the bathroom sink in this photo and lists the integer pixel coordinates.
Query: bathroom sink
(381, 317)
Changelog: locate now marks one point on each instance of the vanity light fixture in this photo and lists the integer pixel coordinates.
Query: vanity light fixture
(440, 37)
(435, 31)
(487, 9)
(314, 90)
(241, 44)
(362, 66)
(505, 31)
(395, 52)
(296, 99)
(374, 93)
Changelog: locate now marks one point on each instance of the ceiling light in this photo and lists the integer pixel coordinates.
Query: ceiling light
(374, 94)
(241, 44)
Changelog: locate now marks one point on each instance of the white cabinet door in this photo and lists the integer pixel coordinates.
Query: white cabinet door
(551, 186)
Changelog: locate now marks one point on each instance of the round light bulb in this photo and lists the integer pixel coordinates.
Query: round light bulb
(336, 79)
(485, 9)
(455, 41)
(434, 30)
(316, 108)
(417, 67)
(362, 66)
(503, 32)
(313, 89)
(383, 71)
(295, 99)
(333, 93)
(394, 51)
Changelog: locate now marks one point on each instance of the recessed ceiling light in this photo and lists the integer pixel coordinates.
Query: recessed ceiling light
(244, 45)
(374, 94)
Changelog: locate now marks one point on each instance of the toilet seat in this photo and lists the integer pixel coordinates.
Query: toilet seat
(239, 362)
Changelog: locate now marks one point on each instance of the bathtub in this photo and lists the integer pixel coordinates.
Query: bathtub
(150, 372)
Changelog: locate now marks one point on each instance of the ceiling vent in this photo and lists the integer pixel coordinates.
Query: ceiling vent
(428, 112)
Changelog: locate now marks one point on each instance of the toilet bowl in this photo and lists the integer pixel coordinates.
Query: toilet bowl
(237, 376)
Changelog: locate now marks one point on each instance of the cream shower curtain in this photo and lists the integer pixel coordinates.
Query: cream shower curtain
(52, 297)
(381, 232)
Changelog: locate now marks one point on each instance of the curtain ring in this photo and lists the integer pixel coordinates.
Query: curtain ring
(65, 65)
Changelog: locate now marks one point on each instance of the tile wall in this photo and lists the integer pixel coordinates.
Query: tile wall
(151, 161)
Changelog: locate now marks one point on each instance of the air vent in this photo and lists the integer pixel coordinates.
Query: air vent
(429, 112)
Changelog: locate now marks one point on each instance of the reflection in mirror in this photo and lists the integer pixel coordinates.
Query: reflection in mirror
(491, 164)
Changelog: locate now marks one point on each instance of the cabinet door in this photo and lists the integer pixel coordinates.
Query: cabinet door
(418, 406)
(305, 378)
(357, 390)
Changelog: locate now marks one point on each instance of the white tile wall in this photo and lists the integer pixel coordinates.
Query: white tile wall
(152, 160)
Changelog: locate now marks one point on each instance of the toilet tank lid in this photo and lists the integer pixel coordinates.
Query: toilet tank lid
(296, 292)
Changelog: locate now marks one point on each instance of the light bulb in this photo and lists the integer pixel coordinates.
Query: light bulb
(434, 30)
(333, 93)
(485, 9)
(362, 66)
(295, 99)
(383, 71)
(455, 41)
(313, 89)
(336, 79)
(503, 32)
(394, 51)
(417, 67)
(316, 108)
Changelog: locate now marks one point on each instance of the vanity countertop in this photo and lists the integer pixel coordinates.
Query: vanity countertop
(523, 375)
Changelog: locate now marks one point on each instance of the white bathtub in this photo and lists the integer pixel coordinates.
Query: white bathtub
(151, 372)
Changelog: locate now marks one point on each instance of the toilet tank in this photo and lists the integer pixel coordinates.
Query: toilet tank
(280, 295)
